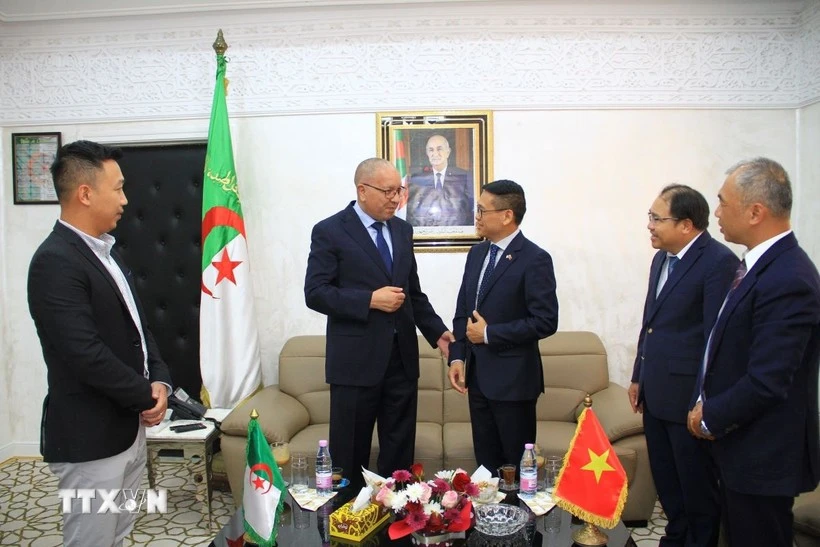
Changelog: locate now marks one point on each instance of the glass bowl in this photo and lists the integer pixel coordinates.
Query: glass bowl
(499, 519)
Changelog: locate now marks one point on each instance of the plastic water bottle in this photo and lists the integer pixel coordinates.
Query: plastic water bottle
(324, 469)
(529, 472)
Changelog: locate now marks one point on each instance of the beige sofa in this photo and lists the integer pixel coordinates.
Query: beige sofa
(574, 363)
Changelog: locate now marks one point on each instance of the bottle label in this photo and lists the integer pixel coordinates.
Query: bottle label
(529, 483)
(324, 481)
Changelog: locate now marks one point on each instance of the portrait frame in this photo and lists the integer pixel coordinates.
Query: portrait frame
(31, 157)
(441, 209)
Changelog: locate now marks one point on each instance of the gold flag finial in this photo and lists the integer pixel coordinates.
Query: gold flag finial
(220, 45)
(588, 401)
(254, 414)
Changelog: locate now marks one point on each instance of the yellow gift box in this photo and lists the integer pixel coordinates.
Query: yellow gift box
(346, 524)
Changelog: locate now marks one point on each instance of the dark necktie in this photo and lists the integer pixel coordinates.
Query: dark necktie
(381, 245)
(488, 273)
(671, 262)
(438, 181)
(740, 273)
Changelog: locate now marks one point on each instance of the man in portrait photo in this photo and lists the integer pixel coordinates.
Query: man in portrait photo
(440, 194)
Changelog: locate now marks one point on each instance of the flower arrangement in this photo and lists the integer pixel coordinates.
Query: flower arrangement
(440, 505)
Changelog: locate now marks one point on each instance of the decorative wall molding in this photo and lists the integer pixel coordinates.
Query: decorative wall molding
(334, 60)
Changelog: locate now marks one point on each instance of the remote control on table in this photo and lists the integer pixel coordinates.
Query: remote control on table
(187, 427)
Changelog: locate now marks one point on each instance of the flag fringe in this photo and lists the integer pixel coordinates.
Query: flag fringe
(591, 517)
(579, 511)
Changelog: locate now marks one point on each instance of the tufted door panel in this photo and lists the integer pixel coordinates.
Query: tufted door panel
(159, 238)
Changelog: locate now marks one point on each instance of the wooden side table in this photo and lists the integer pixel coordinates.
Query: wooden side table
(197, 451)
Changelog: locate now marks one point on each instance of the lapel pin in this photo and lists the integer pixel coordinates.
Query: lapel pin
(508, 257)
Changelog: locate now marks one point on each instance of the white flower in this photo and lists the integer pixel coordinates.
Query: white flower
(432, 507)
(398, 501)
(414, 491)
(445, 475)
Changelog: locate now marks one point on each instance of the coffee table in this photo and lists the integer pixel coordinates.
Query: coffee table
(301, 528)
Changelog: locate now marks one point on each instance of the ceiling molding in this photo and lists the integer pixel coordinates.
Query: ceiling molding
(409, 58)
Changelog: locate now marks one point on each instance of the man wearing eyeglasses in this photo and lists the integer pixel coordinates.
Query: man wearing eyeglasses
(362, 274)
(688, 279)
(441, 194)
(506, 304)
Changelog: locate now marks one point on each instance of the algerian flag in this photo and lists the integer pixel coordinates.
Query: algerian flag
(228, 338)
(401, 167)
(262, 493)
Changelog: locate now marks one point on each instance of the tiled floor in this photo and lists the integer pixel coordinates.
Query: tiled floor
(30, 516)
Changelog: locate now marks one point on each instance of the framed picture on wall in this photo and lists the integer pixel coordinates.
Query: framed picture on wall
(443, 158)
(32, 155)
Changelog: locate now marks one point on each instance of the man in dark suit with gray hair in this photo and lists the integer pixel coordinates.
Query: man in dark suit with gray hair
(756, 395)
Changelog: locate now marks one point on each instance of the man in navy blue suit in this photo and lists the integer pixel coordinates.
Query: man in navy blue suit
(756, 395)
(688, 278)
(361, 273)
(506, 304)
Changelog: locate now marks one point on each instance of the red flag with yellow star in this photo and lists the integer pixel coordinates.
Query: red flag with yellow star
(592, 482)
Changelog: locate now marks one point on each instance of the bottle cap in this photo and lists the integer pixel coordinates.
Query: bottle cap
(529, 446)
(323, 443)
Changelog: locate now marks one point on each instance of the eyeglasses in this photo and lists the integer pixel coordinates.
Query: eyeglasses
(389, 193)
(655, 219)
(479, 211)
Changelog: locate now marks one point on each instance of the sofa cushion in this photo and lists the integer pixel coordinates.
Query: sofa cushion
(807, 513)
(302, 375)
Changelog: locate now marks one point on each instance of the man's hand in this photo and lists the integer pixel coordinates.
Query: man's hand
(457, 376)
(444, 343)
(693, 422)
(153, 416)
(387, 299)
(475, 328)
(633, 398)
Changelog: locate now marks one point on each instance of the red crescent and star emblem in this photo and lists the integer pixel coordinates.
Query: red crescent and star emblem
(257, 481)
(222, 216)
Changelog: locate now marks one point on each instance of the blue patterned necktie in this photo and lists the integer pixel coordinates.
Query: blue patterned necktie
(381, 245)
(439, 186)
(488, 273)
(672, 261)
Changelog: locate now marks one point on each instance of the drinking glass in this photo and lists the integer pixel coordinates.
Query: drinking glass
(299, 473)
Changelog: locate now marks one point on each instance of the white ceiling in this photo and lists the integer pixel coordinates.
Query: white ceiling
(46, 10)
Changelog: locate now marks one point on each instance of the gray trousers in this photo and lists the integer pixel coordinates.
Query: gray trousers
(121, 472)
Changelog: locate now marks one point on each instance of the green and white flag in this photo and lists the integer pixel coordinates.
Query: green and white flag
(228, 337)
(262, 498)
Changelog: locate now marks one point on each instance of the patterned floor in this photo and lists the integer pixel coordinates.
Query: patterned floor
(30, 515)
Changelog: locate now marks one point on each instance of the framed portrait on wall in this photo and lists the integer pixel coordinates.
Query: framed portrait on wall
(443, 158)
(32, 155)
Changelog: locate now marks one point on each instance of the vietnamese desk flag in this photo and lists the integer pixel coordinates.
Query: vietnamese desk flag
(592, 482)
(262, 498)
(228, 338)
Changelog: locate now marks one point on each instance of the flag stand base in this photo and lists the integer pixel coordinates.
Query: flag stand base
(589, 535)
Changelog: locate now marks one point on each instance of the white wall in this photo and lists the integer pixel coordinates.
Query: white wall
(589, 175)
(5, 358)
(807, 198)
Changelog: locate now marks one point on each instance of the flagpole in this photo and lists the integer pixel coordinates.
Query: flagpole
(589, 535)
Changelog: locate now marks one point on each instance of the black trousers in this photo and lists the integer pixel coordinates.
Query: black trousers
(500, 428)
(757, 520)
(354, 410)
(686, 480)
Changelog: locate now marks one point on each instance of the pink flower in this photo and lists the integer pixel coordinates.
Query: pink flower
(384, 496)
(471, 489)
(416, 520)
(440, 486)
(402, 475)
(427, 491)
(450, 499)
(453, 516)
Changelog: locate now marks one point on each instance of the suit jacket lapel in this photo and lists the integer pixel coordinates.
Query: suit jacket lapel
(746, 285)
(354, 227)
(508, 256)
(689, 259)
(85, 250)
